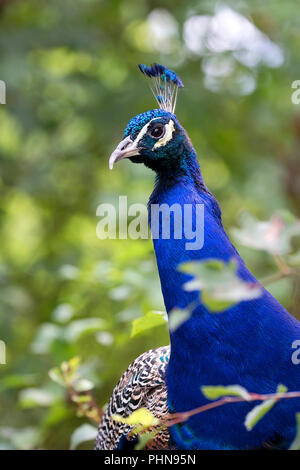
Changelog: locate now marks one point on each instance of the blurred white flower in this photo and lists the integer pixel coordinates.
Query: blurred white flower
(162, 31)
(227, 31)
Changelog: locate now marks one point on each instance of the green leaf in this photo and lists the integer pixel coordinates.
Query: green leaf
(16, 381)
(83, 385)
(215, 305)
(84, 433)
(33, 397)
(56, 375)
(281, 389)
(73, 364)
(105, 338)
(63, 313)
(177, 317)
(78, 328)
(45, 336)
(148, 321)
(219, 391)
(219, 283)
(81, 398)
(22, 438)
(259, 411)
(274, 235)
(141, 419)
(296, 442)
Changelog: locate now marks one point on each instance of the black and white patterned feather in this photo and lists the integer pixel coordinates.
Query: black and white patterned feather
(142, 385)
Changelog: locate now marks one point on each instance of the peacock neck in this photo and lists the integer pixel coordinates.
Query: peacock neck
(186, 187)
(186, 173)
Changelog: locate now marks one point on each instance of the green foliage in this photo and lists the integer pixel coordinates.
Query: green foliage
(32, 397)
(148, 321)
(83, 433)
(219, 283)
(177, 317)
(77, 388)
(259, 411)
(214, 392)
(274, 236)
(72, 85)
(141, 420)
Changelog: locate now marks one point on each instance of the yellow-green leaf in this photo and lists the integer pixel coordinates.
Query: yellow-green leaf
(219, 391)
(148, 321)
(219, 283)
(141, 419)
(56, 376)
(259, 411)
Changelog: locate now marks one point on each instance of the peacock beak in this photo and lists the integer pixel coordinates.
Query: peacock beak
(127, 148)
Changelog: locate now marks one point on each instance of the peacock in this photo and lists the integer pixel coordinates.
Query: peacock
(249, 344)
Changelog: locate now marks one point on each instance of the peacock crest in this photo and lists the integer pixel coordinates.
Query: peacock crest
(165, 85)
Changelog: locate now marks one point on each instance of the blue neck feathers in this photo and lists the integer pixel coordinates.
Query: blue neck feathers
(185, 186)
(214, 349)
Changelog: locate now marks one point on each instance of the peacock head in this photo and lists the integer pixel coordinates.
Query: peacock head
(155, 137)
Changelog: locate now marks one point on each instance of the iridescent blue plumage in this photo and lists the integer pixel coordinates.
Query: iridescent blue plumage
(166, 84)
(166, 74)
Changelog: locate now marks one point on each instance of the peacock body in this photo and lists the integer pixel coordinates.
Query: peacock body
(250, 344)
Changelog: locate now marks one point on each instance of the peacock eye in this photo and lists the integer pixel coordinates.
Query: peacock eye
(157, 131)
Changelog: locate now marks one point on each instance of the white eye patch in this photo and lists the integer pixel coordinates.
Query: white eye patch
(167, 136)
(169, 128)
(143, 131)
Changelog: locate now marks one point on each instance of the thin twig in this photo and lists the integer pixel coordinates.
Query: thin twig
(176, 418)
(284, 271)
(273, 278)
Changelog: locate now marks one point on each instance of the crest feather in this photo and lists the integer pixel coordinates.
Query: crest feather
(165, 85)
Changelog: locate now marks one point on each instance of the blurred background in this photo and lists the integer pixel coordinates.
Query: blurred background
(72, 81)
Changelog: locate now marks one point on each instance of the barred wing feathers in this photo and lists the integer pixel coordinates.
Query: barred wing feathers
(141, 385)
